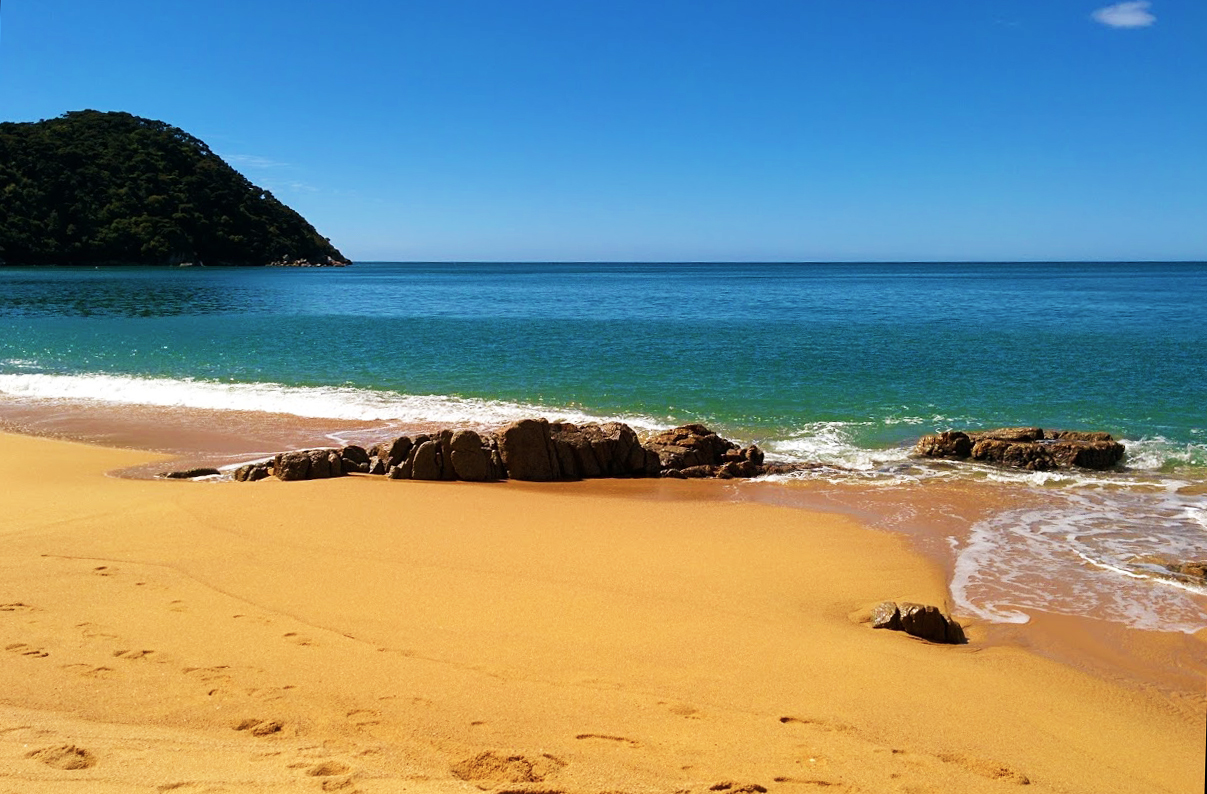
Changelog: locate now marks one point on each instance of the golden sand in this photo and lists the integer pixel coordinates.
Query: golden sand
(376, 636)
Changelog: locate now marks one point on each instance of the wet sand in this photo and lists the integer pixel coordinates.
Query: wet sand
(368, 635)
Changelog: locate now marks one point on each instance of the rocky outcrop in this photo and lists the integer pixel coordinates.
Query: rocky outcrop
(918, 620)
(1030, 448)
(694, 451)
(308, 464)
(531, 449)
(252, 472)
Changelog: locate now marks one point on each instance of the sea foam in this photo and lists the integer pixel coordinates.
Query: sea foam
(318, 402)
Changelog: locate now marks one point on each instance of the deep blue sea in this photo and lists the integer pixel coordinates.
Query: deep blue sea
(845, 364)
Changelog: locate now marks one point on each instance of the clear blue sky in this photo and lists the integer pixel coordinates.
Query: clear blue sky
(667, 129)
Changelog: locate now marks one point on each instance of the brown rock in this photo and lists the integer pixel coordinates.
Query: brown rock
(1029, 448)
(886, 616)
(528, 452)
(949, 444)
(426, 463)
(918, 620)
(470, 457)
(1019, 455)
(610, 449)
(1009, 434)
(291, 466)
(251, 472)
(189, 474)
(354, 459)
(930, 624)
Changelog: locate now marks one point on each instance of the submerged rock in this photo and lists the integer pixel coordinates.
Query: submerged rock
(190, 474)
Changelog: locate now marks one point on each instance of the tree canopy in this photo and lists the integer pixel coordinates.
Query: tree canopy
(93, 188)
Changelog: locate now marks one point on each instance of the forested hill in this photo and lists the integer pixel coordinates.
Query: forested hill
(93, 188)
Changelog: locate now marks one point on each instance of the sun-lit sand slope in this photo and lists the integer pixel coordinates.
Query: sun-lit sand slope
(376, 636)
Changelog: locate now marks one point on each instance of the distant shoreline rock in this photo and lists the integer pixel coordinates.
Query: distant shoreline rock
(1029, 448)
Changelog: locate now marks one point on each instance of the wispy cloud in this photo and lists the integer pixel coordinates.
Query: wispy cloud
(1126, 15)
(253, 161)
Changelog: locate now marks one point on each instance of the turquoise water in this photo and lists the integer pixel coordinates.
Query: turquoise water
(866, 355)
(842, 364)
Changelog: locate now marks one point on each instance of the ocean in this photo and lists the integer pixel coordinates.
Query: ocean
(842, 364)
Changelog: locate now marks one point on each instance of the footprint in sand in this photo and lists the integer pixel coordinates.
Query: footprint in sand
(729, 787)
(104, 570)
(605, 737)
(299, 639)
(682, 710)
(270, 692)
(21, 649)
(993, 770)
(88, 671)
(17, 606)
(258, 727)
(828, 785)
(824, 724)
(66, 756)
(91, 631)
(363, 718)
(496, 768)
(134, 655)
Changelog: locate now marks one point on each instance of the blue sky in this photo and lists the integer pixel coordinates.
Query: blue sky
(676, 130)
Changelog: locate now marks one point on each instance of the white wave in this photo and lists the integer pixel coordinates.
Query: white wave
(319, 402)
(831, 443)
(1152, 453)
(1084, 553)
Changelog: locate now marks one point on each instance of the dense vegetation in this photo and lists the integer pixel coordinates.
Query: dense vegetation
(92, 188)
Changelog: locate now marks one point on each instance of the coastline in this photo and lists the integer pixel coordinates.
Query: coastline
(635, 635)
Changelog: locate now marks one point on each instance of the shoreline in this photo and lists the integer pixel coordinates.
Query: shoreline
(599, 624)
(932, 516)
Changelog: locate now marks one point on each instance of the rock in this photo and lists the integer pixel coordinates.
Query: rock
(699, 452)
(1029, 448)
(471, 457)
(611, 449)
(393, 453)
(687, 446)
(528, 452)
(886, 616)
(1018, 455)
(949, 444)
(291, 466)
(426, 463)
(1009, 434)
(308, 464)
(252, 472)
(189, 474)
(355, 459)
(918, 620)
(1194, 571)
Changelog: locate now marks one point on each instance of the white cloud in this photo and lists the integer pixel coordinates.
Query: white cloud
(1126, 15)
(253, 161)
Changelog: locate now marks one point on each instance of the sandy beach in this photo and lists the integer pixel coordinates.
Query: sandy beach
(367, 635)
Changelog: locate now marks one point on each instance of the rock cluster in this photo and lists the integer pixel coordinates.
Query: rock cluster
(1030, 448)
(531, 449)
(696, 451)
(918, 620)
